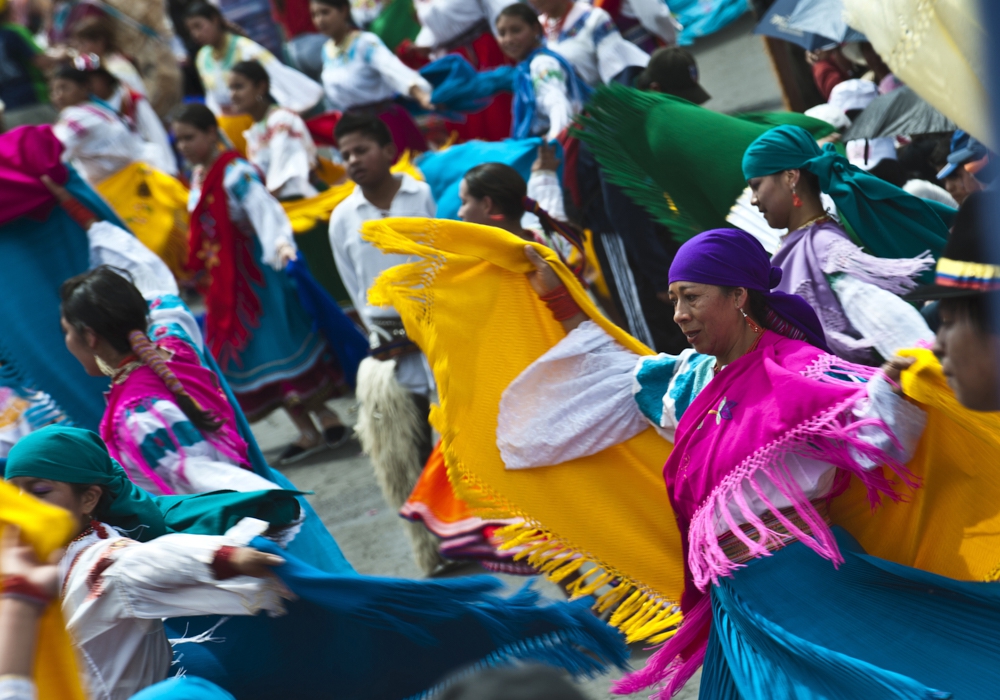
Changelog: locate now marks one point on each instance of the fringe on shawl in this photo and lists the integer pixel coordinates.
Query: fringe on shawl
(599, 130)
(639, 612)
(831, 437)
(896, 275)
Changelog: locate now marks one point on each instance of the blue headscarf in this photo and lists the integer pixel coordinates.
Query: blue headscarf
(730, 257)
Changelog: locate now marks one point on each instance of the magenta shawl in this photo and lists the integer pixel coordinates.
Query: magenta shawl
(143, 388)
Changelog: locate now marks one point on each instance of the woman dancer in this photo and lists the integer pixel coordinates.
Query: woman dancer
(853, 293)
(360, 73)
(256, 328)
(766, 428)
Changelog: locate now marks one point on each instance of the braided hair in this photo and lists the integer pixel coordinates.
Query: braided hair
(105, 301)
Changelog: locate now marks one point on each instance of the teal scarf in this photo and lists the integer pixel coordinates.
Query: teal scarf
(77, 456)
(891, 223)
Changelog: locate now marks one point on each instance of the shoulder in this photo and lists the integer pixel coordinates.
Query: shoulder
(248, 48)
(346, 212)
(366, 45)
(415, 190)
(601, 24)
(240, 175)
(282, 119)
(544, 65)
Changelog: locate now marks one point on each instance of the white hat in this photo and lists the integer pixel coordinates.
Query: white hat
(853, 94)
(866, 153)
(831, 115)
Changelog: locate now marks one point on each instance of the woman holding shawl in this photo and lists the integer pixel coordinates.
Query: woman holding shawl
(255, 325)
(853, 293)
(767, 426)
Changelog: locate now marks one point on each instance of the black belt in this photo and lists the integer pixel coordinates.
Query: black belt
(387, 338)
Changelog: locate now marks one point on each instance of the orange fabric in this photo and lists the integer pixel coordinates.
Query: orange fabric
(435, 492)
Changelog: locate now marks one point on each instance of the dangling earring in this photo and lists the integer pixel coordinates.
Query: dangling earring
(105, 368)
(796, 200)
(496, 217)
(750, 322)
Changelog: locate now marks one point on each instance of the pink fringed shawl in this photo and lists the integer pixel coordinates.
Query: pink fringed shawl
(143, 388)
(735, 436)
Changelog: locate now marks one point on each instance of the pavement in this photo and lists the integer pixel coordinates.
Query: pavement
(736, 71)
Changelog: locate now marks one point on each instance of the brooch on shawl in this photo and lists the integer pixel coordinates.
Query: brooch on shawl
(723, 412)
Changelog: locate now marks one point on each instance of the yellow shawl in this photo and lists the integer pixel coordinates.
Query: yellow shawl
(47, 528)
(467, 304)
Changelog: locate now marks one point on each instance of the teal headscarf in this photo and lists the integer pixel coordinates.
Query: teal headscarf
(77, 456)
(891, 223)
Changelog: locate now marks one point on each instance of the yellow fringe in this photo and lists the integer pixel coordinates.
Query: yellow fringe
(642, 614)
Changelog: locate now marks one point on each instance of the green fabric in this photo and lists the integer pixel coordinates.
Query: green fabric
(395, 23)
(37, 77)
(679, 161)
(891, 223)
(77, 456)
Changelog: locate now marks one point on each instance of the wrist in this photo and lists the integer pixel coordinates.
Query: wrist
(223, 566)
(561, 303)
(18, 590)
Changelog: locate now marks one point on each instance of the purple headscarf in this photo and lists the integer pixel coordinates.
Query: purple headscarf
(730, 257)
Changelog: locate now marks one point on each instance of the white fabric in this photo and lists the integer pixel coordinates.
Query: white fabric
(444, 21)
(655, 17)
(116, 617)
(544, 188)
(365, 72)
(359, 262)
(853, 94)
(110, 245)
(831, 115)
(169, 313)
(289, 87)
(96, 141)
(589, 40)
(156, 149)
(882, 318)
(125, 71)
(867, 153)
(364, 12)
(282, 148)
(928, 190)
(577, 400)
(553, 109)
(252, 209)
(197, 467)
(17, 688)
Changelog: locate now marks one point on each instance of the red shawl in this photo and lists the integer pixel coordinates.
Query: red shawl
(225, 254)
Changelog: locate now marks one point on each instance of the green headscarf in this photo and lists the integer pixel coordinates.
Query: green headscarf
(678, 161)
(890, 222)
(77, 456)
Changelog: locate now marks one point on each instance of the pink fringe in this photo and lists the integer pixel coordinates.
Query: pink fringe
(831, 437)
(677, 660)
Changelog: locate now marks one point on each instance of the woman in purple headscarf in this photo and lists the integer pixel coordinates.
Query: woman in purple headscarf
(767, 427)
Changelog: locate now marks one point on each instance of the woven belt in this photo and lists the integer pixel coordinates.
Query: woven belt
(738, 553)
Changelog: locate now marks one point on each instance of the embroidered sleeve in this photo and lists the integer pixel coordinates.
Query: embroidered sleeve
(551, 94)
(573, 401)
(269, 221)
(400, 77)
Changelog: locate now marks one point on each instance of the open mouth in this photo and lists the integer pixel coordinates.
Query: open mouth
(691, 336)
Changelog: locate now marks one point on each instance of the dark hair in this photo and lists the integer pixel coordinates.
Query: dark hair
(523, 12)
(67, 71)
(892, 171)
(811, 181)
(756, 305)
(978, 309)
(105, 301)
(363, 123)
(256, 74)
(336, 4)
(197, 115)
(207, 11)
(97, 29)
(102, 503)
(502, 184)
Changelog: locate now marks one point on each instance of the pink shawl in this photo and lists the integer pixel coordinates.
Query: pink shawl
(143, 388)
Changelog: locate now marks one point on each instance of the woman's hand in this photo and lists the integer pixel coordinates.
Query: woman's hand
(286, 253)
(546, 160)
(249, 562)
(544, 279)
(422, 97)
(61, 194)
(18, 558)
(894, 368)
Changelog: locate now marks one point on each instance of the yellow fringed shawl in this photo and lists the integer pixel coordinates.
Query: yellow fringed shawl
(47, 528)
(467, 304)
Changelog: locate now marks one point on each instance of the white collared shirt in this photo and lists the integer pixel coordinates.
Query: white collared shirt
(590, 41)
(359, 262)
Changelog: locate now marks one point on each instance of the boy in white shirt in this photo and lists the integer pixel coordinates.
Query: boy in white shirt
(395, 384)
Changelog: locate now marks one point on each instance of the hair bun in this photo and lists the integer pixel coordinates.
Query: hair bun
(774, 277)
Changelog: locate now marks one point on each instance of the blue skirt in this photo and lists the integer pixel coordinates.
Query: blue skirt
(791, 627)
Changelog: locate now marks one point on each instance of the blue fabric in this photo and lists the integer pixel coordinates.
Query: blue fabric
(183, 688)
(444, 170)
(793, 627)
(39, 255)
(284, 345)
(679, 377)
(342, 335)
(459, 87)
(704, 17)
(524, 91)
(388, 639)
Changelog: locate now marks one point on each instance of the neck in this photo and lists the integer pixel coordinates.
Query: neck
(220, 43)
(382, 194)
(212, 157)
(259, 110)
(112, 358)
(811, 208)
(515, 228)
(340, 36)
(740, 346)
